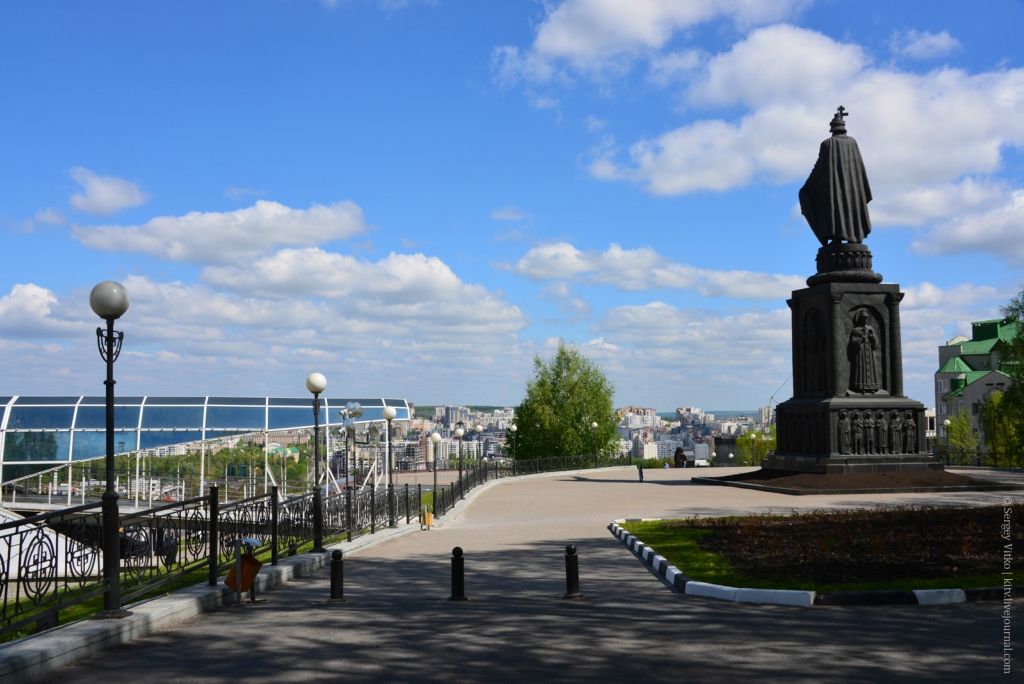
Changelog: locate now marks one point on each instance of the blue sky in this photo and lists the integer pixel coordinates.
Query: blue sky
(414, 198)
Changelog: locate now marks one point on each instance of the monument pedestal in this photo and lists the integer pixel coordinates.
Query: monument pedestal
(848, 413)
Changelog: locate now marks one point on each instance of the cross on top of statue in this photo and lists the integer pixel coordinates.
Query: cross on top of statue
(838, 124)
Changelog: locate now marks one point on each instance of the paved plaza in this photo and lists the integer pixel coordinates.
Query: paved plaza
(629, 626)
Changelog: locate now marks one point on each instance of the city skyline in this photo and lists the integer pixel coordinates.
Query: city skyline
(414, 198)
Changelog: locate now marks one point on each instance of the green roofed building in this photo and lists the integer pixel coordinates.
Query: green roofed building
(969, 369)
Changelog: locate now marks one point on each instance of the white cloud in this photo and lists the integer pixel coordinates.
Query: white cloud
(53, 217)
(228, 237)
(28, 312)
(594, 124)
(509, 213)
(545, 103)
(600, 37)
(104, 194)
(644, 269)
(923, 45)
(397, 327)
(897, 117)
(999, 232)
(920, 205)
(562, 294)
(964, 295)
(669, 68)
(737, 359)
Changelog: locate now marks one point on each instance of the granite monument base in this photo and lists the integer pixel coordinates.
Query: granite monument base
(857, 434)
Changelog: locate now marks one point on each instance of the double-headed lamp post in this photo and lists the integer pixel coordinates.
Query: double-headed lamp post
(317, 383)
(593, 426)
(350, 413)
(109, 300)
(389, 415)
(434, 439)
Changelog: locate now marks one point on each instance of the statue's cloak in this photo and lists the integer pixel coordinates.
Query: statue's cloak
(834, 200)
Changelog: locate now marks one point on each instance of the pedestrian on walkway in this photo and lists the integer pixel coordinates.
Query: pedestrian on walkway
(640, 468)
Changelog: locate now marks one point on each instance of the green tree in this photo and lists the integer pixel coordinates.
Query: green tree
(961, 441)
(1001, 414)
(1001, 427)
(563, 398)
(754, 447)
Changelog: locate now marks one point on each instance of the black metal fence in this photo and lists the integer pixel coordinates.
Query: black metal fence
(985, 459)
(52, 561)
(48, 562)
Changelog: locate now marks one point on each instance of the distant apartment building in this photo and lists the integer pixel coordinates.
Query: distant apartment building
(764, 415)
(638, 417)
(970, 370)
(690, 415)
(451, 415)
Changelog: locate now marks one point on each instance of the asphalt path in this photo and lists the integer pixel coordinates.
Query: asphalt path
(398, 627)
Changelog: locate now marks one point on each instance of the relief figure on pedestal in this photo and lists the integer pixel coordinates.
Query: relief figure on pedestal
(863, 365)
(880, 439)
(909, 434)
(895, 433)
(869, 433)
(858, 434)
(814, 353)
(844, 433)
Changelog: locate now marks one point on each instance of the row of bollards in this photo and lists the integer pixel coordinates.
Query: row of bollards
(572, 575)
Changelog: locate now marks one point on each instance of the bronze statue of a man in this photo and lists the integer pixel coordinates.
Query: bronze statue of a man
(834, 200)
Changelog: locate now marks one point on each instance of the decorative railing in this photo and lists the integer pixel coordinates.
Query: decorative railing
(49, 562)
(162, 544)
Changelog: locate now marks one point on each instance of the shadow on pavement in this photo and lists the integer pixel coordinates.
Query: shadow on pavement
(397, 627)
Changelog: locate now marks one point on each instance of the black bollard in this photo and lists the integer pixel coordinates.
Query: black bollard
(458, 576)
(572, 573)
(337, 578)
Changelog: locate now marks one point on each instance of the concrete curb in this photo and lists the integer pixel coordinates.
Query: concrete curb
(673, 575)
(805, 599)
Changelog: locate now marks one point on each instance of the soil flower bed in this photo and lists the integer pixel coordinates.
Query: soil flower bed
(901, 547)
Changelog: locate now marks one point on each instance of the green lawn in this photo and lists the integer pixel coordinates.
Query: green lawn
(679, 546)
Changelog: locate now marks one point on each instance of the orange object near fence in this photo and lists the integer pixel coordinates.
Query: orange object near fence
(250, 567)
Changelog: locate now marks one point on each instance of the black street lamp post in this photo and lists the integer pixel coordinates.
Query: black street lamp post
(512, 428)
(389, 415)
(593, 426)
(479, 431)
(459, 432)
(945, 429)
(317, 383)
(434, 439)
(109, 300)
